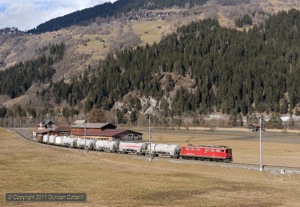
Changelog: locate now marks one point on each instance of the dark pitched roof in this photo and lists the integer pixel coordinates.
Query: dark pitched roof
(43, 131)
(93, 125)
(46, 124)
(114, 132)
(63, 128)
(108, 133)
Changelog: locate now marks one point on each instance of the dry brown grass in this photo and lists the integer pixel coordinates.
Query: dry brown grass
(150, 31)
(118, 180)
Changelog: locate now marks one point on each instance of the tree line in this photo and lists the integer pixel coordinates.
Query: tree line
(107, 10)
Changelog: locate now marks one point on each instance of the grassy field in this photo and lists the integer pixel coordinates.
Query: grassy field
(118, 180)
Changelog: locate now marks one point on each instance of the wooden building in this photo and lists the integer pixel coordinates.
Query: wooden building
(104, 131)
(63, 130)
(91, 129)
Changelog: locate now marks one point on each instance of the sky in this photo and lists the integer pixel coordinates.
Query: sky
(28, 14)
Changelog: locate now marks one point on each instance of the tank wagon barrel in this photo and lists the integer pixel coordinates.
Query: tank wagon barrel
(166, 150)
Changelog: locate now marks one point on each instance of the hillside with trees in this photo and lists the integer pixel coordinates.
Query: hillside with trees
(232, 72)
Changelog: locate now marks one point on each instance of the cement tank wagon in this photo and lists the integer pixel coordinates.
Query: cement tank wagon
(58, 140)
(132, 147)
(107, 146)
(52, 139)
(68, 142)
(89, 143)
(46, 138)
(166, 150)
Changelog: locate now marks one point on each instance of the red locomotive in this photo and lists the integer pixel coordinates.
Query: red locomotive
(211, 153)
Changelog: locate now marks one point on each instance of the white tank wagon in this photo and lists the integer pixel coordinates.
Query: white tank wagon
(46, 138)
(165, 149)
(58, 140)
(52, 139)
(108, 146)
(89, 143)
(68, 142)
(132, 147)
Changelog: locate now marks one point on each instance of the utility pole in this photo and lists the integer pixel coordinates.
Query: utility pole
(260, 145)
(84, 132)
(149, 138)
(47, 128)
(116, 116)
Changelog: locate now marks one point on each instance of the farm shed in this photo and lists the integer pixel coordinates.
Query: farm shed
(64, 130)
(119, 135)
(92, 129)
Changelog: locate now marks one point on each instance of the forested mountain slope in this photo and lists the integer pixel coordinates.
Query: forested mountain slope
(230, 71)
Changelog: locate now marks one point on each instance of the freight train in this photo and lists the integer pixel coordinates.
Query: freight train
(218, 153)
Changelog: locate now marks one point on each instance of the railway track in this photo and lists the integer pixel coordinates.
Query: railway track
(22, 135)
(281, 169)
(25, 136)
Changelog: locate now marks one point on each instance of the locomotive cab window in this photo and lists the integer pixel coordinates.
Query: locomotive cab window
(222, 150)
